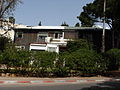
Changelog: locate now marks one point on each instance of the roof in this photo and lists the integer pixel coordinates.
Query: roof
(38, 27)
(56, 27)
(75, 28)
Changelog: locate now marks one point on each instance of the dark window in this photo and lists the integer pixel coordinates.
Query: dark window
(56, 35)
(19, 35)
(42, 37)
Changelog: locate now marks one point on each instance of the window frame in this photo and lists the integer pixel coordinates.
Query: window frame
(19, 34)
(41, 36)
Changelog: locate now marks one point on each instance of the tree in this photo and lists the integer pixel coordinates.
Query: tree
(6, 9)
(40, 24)
(7, 6)
(93, 12)
(77, 25)
(12, 20)
(64, 24)
(85, 20)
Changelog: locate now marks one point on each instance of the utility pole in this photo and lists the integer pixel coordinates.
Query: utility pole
(103, 34)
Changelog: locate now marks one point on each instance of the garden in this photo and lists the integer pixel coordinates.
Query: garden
(78, 59)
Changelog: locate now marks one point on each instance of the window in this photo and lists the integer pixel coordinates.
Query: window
(42, 37)
(57, 35)
(19, 34)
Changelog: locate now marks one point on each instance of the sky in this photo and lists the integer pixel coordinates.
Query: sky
(49, 12)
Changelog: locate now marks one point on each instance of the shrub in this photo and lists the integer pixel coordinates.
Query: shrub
(43, 62)
(86, 62)
(78, 44)
(9, 55)
(3, 42)
(60, 69)
(113, 58)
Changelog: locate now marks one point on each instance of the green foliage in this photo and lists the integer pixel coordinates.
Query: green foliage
(64, 24)
(45, 59)
(23, 58)
(9, 55)
(1, 57)
(86, 20)
(93, 12)
(86, 61)
(77, 25)
(80, 60)
(113, 57)
(40, 23)
(12, 20)
(78, 44)
(60, 69)
(43, 62)
(3, 42)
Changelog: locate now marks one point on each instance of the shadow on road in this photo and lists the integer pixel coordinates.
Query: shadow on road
(108, 85)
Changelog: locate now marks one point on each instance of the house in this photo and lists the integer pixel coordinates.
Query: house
(43, 38)
(51, 38)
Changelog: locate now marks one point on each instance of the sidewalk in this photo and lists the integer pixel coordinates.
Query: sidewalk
(32, 80)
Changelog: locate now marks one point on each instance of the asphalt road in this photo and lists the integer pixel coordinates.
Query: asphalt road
(80, 86)
(45, 87)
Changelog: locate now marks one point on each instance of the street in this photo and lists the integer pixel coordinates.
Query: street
(78, 86)
(45, 87)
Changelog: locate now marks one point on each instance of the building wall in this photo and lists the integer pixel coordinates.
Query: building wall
(71, 34)
(92, 35)
(28, 37)
(32, 36)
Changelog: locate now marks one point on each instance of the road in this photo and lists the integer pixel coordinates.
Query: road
(77, 86)
(45, 87)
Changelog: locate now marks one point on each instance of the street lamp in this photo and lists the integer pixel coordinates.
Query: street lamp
(103, 34)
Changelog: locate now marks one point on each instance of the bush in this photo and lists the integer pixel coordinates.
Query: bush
(80, 60)
(1, 57)
(3, 42)
(86, 62)
(78, 44)
(60, 69)
(9, 56)
(43, 62)
(113, 58)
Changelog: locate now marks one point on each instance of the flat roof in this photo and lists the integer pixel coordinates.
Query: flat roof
(39, 27)
(75, 28)
(56, 27)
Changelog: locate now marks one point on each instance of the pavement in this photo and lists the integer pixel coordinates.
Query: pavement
(32, 80)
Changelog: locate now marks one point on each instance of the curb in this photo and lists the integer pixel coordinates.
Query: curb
(55, 81)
